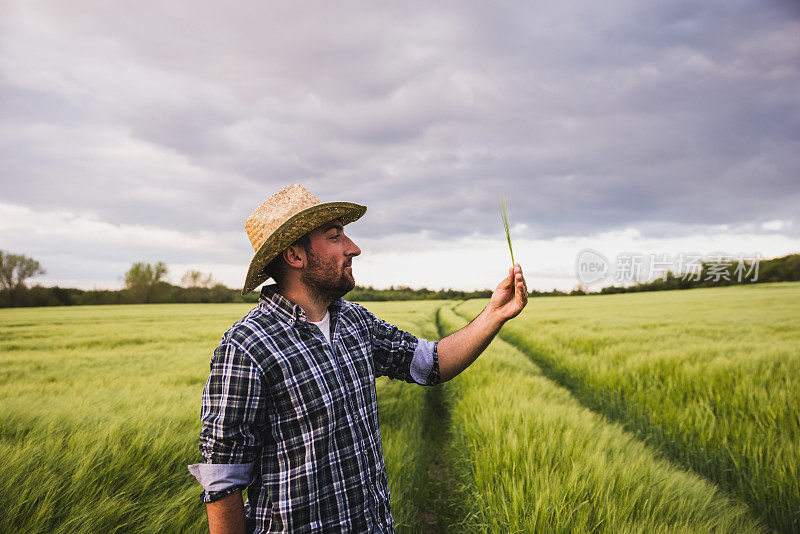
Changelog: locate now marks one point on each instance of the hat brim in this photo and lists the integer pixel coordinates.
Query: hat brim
(293, 229)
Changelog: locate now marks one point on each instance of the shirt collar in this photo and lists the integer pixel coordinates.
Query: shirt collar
(286, 310)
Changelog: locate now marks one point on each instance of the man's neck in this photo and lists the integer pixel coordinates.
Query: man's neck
(315, 309)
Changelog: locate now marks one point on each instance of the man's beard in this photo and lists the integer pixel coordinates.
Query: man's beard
(324, 280)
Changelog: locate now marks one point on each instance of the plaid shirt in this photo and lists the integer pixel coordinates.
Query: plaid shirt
(295, 419)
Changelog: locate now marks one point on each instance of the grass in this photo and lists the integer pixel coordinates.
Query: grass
(710, 377)
(404, 411)
(101, 416)
(531, 459)
(665, 412)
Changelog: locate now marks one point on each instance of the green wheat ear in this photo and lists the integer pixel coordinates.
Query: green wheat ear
(504, 216)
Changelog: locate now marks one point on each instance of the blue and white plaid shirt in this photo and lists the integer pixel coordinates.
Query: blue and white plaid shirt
(294, 419)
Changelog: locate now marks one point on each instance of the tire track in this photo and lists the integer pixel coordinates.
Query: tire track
(437, 438)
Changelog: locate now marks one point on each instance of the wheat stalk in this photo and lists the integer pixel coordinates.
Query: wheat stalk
(504, 216)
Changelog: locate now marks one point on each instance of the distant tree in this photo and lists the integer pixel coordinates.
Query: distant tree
(220, 293)
(197, 279)
(14, 270)
(142, 280)
(579, 289)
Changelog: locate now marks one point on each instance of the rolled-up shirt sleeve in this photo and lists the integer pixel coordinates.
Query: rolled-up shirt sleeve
(233, 415)
(422, 364)
(401, 355)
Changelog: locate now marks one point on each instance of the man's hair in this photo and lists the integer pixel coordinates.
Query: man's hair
(277, 267)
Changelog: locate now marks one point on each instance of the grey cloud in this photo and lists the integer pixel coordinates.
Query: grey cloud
(587, 116)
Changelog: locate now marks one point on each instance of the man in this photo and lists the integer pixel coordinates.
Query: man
(289, 410)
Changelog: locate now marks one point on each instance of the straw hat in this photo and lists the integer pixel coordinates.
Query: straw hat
(284, 218)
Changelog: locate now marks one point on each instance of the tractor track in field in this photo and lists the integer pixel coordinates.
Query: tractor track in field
(437, 436)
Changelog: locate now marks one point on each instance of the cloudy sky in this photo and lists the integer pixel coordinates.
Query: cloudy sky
(148, 131)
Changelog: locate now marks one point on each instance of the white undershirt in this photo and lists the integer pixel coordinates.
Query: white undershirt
(324, 326)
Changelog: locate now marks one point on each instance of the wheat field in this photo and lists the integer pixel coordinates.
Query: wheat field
(668, 412)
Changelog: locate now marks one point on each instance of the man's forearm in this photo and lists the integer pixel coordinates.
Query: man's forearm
(226, 516)
(458, 350)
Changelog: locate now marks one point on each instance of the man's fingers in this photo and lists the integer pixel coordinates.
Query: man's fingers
(518, 276)
(521, 280)
(520, 284)
(516, 281)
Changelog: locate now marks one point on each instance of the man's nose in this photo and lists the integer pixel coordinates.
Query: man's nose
(353, 249)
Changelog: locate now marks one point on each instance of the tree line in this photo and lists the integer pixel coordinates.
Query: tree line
(145, 283)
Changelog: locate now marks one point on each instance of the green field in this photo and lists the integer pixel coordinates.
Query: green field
(645, 412)
(711, 377)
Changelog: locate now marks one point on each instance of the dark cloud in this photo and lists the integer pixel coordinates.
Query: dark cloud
(588, 116)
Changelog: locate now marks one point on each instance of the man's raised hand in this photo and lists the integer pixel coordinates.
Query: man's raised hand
(510, 296)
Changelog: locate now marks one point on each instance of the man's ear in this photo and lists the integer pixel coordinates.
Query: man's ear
(294, 256)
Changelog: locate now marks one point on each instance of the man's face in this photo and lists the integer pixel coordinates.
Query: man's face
(329, 272)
